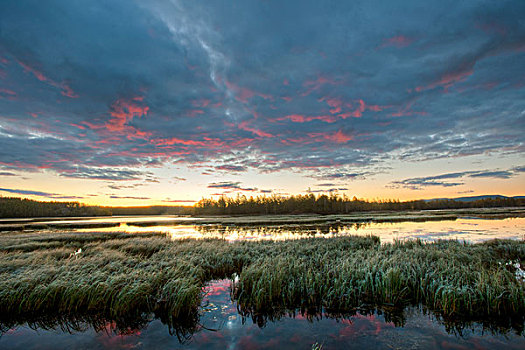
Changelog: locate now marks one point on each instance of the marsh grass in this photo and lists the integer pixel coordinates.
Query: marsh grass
(126, 277)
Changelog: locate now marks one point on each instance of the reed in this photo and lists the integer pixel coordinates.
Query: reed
(121, 275)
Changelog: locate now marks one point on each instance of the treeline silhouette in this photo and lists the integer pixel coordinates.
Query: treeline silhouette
(334, 204)
(242, 205)
(24, 208)
(152, 210)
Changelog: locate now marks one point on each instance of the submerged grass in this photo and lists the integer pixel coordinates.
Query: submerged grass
(122, 276)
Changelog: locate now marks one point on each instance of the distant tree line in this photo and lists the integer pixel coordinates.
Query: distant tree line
(25, 208)
(333, 204)
(242, 205)
(152, 210)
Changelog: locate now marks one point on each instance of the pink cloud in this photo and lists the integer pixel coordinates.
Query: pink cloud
(335, 104)
(337, 107)
(244, 94)
(397, 41)
(299, 118)
(336, 137)
(81, 127)
(260, 133)
(122, 112)
(176, 141)
(66, 90)
(313, 85)
(200, 102)
(194, 112)
(242, 142)
(7, 94)
(407, 111)
(447, 80)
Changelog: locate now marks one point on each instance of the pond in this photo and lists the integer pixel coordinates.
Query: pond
(222, 326)
(473, 225)
(469, 229)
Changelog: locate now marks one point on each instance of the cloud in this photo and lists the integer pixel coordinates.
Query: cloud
(114, 186)
(225, 185)
(505, 174)
(397, 41)
(192, 86)
(334, 189)
(232, 168)
(418, 183)
(106, 174)
(128, 197)
(340, 174)
(39, 194)
(232, 186)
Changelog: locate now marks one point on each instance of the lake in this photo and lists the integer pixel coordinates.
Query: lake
(473, 225)
(222, 327)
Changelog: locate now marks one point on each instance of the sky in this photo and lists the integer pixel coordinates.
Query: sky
(128, 102)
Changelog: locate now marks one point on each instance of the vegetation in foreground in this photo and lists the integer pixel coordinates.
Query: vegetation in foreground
(123, 277)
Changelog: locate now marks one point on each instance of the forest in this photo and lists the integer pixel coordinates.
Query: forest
(334, 204)
(26, 208)
(242, 205)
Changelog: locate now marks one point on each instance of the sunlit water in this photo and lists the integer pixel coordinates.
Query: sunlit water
(221, 327)
(469, 229)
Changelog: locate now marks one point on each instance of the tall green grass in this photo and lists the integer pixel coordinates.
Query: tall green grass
(125, 277)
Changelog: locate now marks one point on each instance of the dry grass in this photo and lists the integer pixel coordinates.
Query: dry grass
(127, 277)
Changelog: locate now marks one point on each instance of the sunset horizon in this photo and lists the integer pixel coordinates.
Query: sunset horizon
(262, 174)
(172, 102)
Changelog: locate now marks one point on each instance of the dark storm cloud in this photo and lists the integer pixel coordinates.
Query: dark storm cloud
(418, 183)
(333, 89)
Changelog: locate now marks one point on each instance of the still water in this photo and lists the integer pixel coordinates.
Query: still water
(222, 327)
(470, 229)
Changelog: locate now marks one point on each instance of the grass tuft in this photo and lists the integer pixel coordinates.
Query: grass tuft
(123, 276)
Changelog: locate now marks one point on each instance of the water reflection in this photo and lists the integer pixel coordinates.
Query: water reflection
(222, 325)
(469, 229)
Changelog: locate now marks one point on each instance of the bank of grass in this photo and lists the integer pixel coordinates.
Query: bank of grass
(123, 276)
